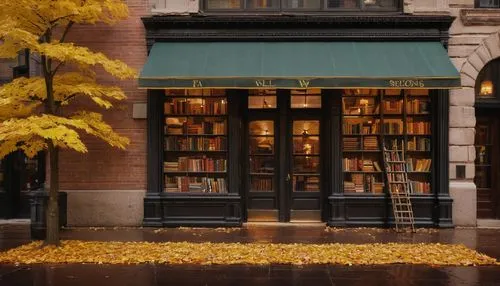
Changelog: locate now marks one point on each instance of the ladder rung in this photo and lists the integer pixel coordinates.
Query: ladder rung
(396, 171)
(399, 182)
(396, 162)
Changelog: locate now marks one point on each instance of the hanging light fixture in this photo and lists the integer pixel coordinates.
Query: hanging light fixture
(486, 89)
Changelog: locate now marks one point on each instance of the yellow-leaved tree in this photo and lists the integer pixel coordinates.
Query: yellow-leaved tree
(33, 111)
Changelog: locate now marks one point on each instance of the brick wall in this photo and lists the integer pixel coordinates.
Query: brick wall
(103, 167)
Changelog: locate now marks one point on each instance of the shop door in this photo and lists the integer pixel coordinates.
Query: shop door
(283, 179)
(487, 166)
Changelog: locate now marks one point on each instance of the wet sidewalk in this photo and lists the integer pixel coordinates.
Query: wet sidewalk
(484, 240)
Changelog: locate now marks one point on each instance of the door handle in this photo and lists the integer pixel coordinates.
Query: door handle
(287, 178)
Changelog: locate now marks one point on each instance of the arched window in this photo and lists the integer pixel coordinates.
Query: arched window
(488, 81)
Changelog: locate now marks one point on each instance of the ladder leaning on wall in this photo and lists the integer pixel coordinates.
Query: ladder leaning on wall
(399, 186)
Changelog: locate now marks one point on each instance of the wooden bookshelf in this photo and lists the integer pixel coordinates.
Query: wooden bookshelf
(195, 141)
(390, 116)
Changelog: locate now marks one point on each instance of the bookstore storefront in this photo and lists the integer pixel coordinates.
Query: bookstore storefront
(293, 131)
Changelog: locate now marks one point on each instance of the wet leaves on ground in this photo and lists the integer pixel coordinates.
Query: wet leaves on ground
(75, 251)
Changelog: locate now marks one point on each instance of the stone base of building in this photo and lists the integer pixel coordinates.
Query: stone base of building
(464, 203)
(105, 207)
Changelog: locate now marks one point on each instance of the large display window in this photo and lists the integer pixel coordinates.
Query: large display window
(398, 119)
(195, 147)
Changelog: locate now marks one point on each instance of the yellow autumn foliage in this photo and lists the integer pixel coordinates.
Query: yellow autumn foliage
(74, 251)
(27, 120)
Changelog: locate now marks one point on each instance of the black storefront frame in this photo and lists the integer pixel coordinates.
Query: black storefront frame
(162, 209)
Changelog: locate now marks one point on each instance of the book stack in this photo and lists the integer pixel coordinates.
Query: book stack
(418, 165)
(357, 179)
(170, 166)
(368, 166)
(171, 184)
(370, 143)
(262, 184)
(349, 187)
(311, 184)
(351, 143)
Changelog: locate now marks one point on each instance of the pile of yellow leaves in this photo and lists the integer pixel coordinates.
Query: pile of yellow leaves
(74, 251)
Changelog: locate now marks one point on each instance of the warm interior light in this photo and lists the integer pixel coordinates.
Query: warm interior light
(486, 88)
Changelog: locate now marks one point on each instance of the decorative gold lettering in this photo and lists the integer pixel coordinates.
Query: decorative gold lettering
(197, 83)
(304, 83)
(264, 83)
(409, 83)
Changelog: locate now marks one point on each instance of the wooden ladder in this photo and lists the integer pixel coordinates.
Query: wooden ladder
(399, 186)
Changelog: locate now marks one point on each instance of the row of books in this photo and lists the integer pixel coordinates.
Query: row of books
(368, 127)
(418, 106)
(419, 187)
(418, 165)
(419, 144)
(363, 184)
(185, 128)
(195, 144)
(195, 184)
(196, 107)
(261, 185)
(393, 126)
(359, 164)
(195, 164)
(305, 184)
(418, 127)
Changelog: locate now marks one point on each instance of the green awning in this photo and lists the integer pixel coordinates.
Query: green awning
(299, 65)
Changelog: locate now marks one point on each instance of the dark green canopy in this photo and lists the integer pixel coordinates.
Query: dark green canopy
(299, 65)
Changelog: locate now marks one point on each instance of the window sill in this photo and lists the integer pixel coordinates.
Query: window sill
(480, 16)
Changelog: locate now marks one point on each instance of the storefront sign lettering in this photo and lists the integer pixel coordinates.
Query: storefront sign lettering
(264, 83)
(197, 83)
(304, 83)
(406, 83)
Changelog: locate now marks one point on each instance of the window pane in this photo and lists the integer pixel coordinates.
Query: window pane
(306, 98)
(303, 4)
(262, 4)
(488, 3)
(380, 4)
(224, 4)
(342, 4)
(262, 99)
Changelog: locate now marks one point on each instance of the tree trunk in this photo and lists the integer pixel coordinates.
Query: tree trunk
(52, 211)
(52, 231)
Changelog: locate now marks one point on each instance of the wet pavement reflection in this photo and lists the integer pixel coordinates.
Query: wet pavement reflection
(483, 240)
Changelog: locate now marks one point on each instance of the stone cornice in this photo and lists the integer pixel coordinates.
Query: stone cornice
(485, 17)
(344, 21)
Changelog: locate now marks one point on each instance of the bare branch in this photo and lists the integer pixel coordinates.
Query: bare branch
(66, 30)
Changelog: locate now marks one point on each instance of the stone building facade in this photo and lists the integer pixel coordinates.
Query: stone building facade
(106, 187)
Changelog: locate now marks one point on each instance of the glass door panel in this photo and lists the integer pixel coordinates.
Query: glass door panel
(261, 156)
(306, 156)
(262, 169)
